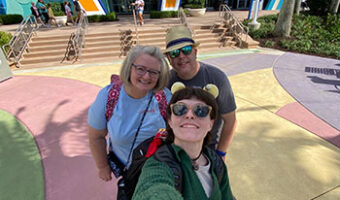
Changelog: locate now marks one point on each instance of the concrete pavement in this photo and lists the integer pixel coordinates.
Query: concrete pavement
(286, 144)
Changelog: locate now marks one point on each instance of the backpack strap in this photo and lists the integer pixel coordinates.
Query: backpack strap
(113, 96)
(166, 154)
(162, 103)
(218, 164)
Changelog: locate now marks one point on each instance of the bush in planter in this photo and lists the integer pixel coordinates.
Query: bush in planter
(4, 38)
(194, 4)
(11, 19)
(163, 14)
(102, 18)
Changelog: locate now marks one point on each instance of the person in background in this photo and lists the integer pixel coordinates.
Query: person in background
(68, 13)
(191, 114)
(144, 72)
(78, 10)
(36, 14)
(181, 51)
(43, 10)
(51, 15)
(139, 4)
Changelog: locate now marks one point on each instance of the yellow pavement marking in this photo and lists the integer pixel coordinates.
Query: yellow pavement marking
(260, 88)
(277, 159)
(97, 75)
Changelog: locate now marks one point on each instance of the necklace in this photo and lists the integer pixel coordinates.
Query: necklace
(194, 164)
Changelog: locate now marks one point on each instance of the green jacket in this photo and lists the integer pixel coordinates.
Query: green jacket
(157, 181)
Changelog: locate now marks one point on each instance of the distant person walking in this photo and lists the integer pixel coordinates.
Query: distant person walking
(43, 11)
(36, 14)
(51, 15)
(139, 4)
(78, 10)
(68, 12)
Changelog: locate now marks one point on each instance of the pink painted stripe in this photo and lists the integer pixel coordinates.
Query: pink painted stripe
(55, 111)
(299, 115)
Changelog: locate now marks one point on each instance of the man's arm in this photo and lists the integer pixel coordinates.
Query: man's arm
(227, 131)
(97, 144)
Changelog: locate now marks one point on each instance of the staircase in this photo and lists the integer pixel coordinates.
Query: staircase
(106, 43)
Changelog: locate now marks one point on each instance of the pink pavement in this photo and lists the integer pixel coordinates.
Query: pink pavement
(55, 112)
(299, 115)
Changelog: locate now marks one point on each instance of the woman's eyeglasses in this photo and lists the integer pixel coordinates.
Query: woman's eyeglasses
(200, 110)
(185, 50)
(141, 70)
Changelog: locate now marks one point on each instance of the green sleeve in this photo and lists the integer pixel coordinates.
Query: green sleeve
(225, 187)
(156, 182)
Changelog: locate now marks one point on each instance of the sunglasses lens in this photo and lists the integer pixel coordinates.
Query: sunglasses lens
(186, 50)
(201, 110)
(179, 109)
(174, 53)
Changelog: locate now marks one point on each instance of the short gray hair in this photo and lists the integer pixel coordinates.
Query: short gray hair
(153, 51)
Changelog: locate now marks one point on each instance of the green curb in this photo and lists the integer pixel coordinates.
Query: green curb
(21, 169)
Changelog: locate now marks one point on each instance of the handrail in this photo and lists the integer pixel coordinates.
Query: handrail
(183, 19)
(135, 23)
(238, 28)
(19, 42)
(78, 41)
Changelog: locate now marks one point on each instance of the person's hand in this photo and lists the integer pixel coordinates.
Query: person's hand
(105, 173)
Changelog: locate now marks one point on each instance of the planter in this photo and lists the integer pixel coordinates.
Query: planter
(196, 12)
(61, 20)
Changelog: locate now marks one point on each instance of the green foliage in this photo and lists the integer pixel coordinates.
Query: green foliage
(102, 18)
(269, 43)
(58, 9)
(4, 38)
(11, 19)
(309, 34)
(266, 29)
(194, 4)
(163, 14)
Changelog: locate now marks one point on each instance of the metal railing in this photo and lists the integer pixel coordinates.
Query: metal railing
(19, 42)
(183, 20)
(78, 40)
(236, 27)
(135, 23)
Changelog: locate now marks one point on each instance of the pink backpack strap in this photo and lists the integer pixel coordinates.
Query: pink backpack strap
(113, 96)
(162, 103)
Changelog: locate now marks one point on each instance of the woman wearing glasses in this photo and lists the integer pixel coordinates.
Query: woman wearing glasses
(191, 114)
(136, 115)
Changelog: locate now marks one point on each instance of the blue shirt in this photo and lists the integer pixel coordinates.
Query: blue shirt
(125, 120)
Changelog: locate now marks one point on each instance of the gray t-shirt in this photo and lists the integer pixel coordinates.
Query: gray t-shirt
(210, 74)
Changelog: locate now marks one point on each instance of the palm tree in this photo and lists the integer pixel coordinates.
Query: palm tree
(297, 7)
(284, 22)
(334, 6)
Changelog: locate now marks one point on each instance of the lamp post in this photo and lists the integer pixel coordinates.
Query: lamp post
(254, 24)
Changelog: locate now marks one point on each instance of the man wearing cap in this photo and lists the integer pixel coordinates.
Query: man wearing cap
(181, 50)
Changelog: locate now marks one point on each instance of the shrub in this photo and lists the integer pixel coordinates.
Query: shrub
(58, 9)
(102, 18)
(11, 19)
(163, 14)
(318, 7)
(4, 38)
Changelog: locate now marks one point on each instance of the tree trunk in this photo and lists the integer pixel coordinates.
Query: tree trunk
(297, 7)
(284, 22)
(334, 6)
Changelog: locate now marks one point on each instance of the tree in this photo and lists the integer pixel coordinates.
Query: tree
(284, 22)
(297, 7)
(334, 6)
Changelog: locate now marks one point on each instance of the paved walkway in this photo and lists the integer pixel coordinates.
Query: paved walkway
(286, 144)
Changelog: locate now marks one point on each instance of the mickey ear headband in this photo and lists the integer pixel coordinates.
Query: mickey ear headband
(211, 88)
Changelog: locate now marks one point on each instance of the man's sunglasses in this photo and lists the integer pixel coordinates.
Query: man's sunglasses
(185, 50)
(200, 110)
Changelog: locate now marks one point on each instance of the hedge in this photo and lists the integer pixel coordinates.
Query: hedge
(10, 19)
(163, 14)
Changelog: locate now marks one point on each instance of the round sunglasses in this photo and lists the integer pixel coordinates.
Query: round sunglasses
(185, 50)
(199, 110)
